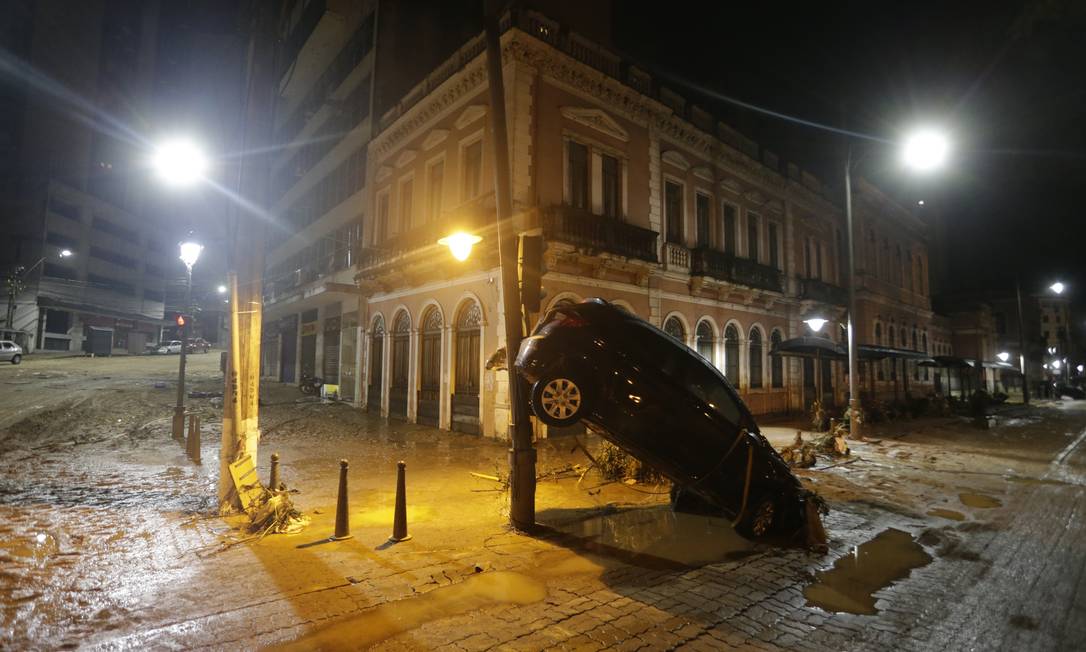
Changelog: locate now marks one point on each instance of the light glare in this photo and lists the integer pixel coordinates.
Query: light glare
(1057, 287)
(222, 289)
(190, 251)
(816, 323)
(180, 162)
(64, 253)
(1003, 356)
(460, 244)
(925, 150)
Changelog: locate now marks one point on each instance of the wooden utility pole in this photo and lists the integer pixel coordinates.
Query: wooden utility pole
(522, 454)
(240, 433)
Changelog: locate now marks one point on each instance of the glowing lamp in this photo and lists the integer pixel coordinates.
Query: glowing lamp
(460, 244)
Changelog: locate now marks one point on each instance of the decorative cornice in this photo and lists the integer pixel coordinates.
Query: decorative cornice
(406, 157)
(384, 172)
(595, 119)
(704, 173)
(676, 159)
(435, 138)
(470, 115)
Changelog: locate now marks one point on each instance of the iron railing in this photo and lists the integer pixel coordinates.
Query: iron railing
(598, 233)
(731, 268)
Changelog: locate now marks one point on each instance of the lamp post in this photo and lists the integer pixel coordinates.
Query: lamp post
(924, 150)
(190, 251)
(15, 285)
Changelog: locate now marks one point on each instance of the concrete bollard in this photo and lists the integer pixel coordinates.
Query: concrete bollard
(399, 520)
(273, 483)
(343, 525)
(192, 444)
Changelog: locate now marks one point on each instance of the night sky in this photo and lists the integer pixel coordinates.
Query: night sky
(1008, 80)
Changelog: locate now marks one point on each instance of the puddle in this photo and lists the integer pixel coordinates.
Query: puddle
(393, 618)
(850, 585)
(659, 533)
(947, 513)
(980, 501)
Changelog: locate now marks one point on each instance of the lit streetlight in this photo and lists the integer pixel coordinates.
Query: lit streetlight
(1003, 356)
(190, 253)
(816, 323)
(179, 162)
(221, 289)
(1057, 287)
(460, 244)
(924, 150)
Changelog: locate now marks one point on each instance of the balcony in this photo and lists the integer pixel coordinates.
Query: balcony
(727, 267)
(599, 234)
(814, 290)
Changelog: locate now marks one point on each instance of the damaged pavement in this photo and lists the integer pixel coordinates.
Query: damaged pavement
(941, 535)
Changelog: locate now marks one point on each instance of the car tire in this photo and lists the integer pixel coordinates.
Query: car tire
(16, 359)
(760, 519)
(559, 400)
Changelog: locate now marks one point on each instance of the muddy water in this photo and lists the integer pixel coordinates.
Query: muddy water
(850, 585)
(979, 501)
(659, 533)
(947, 513)
(392, 618)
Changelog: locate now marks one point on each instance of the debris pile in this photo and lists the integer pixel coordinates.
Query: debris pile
(804, 454)
(616, 464)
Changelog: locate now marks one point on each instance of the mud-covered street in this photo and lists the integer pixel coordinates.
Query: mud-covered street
(942, 536)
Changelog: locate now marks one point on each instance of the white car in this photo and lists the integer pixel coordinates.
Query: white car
(10, 351)
(173, 346)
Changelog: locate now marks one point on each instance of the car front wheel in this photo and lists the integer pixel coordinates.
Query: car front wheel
(559, 401)
(16, 359)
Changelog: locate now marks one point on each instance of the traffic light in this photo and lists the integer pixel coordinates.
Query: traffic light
(531, 272)
(180, 320)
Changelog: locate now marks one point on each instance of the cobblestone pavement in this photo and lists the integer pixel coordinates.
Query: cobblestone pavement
(107, 539)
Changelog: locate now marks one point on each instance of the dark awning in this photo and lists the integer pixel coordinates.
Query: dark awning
(873, 352)
(948, 361)
(997, 364)
(810, 346)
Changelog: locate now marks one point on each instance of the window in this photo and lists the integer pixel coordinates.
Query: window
(436, 186)
(673, 206)
(774, 247)
(106, 226)
(112, 257)
(730, 234)
(731, 354)
(891, 362)
(924, 340)
(755, 350)
(111, 284)
(910, 271)
(752, 236)
(64, 209)
(897, 266)
(674, 328)
(807, 257)
(57, 321)
(776, 363)
(153, 295)
(704, 340)
(407, 208)
(818, 260)
(612, 187)
(61, 240)
(473, 170)
(701, 210)
(381, 230)
(878, 340)
(578, 175)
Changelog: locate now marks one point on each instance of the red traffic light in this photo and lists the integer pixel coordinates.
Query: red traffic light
(180, 320)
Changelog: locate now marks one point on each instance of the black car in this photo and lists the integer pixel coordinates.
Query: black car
(663, 403)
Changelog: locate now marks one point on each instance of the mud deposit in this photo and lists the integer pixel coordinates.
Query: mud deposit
(979, 501)
(393, 618)
(852, 582)
(947, 513)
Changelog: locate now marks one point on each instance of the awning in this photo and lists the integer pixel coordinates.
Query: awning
(873, 352)
(997, 364)
(810, 346)
(948, 361)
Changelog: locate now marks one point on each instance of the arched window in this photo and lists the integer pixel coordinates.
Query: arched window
(924, 341)
(890, 362)
(731, 354)
(674, 327)
(755, 351)
(401, 342)
(465, 399)
(429, 399)
(776, 363)
(704, 337)
(377, 363)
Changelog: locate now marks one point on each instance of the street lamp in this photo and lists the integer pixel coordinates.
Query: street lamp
(816, 323)
(1003, 356)
(460, 244)
(190, 252)
(15, 284)
(1057, 287)
(924, 150)
(179, 162)
(221, 289)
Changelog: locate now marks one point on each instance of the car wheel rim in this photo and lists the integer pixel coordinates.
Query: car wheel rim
(763, 519)
(561, 398)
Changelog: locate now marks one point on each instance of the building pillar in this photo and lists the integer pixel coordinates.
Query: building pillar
(444, 419)
(413, 376)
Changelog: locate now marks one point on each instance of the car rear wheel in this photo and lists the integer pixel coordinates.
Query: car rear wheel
(16, 359)
(559, 401)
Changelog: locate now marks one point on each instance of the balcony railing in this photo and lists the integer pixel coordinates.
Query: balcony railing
(727, 267)
(814, 290)
(598, 233)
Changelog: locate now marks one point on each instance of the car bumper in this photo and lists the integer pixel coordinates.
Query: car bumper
(530, 362)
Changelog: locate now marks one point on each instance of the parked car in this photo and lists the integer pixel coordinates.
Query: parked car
(199, 345)
(10, 352)
(1070, 391)
(173, 346)
(663, 403)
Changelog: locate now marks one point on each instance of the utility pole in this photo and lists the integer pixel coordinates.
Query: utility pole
(1022, 342)
(240, 433)
(522, 454)
(854, 409)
